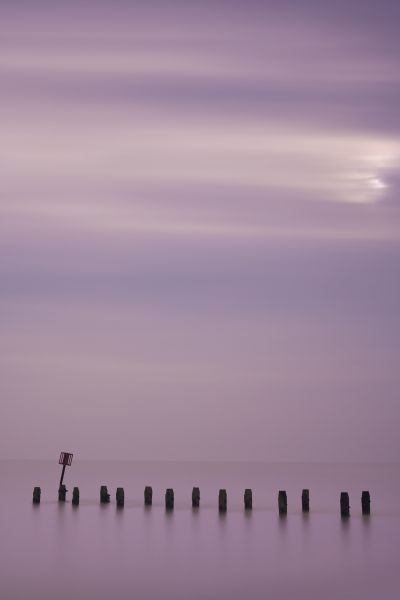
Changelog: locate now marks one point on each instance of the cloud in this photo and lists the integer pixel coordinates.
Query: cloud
(199, 225)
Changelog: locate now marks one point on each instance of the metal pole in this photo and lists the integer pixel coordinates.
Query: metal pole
(62, 475)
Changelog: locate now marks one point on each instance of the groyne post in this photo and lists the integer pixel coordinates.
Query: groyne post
(104, 495)
(62, 493)
(120, 497)
(169, 499)
(344, 504)
(75, 496)
(305, 501)
(196, 497)
(148, 495)
(366, 503)
(222, 501)
(248, 499)
(36, 495)
(282, 502)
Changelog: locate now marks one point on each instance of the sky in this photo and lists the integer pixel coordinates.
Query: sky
(200, 230)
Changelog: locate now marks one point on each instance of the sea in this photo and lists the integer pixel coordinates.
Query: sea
(59, 551)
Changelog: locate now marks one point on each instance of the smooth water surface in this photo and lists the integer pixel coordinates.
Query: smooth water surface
(57, 551)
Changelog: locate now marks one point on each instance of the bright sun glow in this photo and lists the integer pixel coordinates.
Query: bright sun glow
(376, 183)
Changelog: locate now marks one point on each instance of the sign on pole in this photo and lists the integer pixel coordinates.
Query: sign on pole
(65, 461)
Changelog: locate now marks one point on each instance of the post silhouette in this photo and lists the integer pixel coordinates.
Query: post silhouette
(120, 497)
(222, 501)
(344, 504)
(282, 502)
(148, 495)
(196, 497)
(36, 495)
(305, 501)
(62, 493)
(169, 499)
(366, 503)
(104, 495)
(248, 499)
(75, 496)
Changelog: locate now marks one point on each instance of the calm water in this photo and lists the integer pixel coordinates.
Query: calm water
(58, 551)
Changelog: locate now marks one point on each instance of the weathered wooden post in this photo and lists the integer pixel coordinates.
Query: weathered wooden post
(148, 495)
(222, 501)
(366, 503)
(305, 501)
(120, 497)
(62, 493)
(169, 499)
(282, 502)
(344, 504)
(36, 495)
(196, 497)
(104, 495)
(248, 499)
(75, 496)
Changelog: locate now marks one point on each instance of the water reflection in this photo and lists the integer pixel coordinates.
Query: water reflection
(282, 521)
(222, 516)
(305, 520)
(248, 514)
(345, 523)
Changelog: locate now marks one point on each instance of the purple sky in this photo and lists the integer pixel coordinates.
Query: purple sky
(200, 229)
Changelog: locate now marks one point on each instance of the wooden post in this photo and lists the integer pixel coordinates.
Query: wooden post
(282, 502)
(222, 501)
(305, 501)
(62, 493)
(196, 497)
(75, 496)
(248, 499)
(169, 499)
(366, 503)
(120, 497)
(36, 495)
(344, 504)
(148, 495)
(104, 495)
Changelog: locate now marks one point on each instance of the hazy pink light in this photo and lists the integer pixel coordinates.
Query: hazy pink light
(199, 230)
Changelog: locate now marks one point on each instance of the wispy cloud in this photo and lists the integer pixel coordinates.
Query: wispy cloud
(199, 216)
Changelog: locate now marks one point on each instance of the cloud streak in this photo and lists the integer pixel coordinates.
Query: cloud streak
(199, 225)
